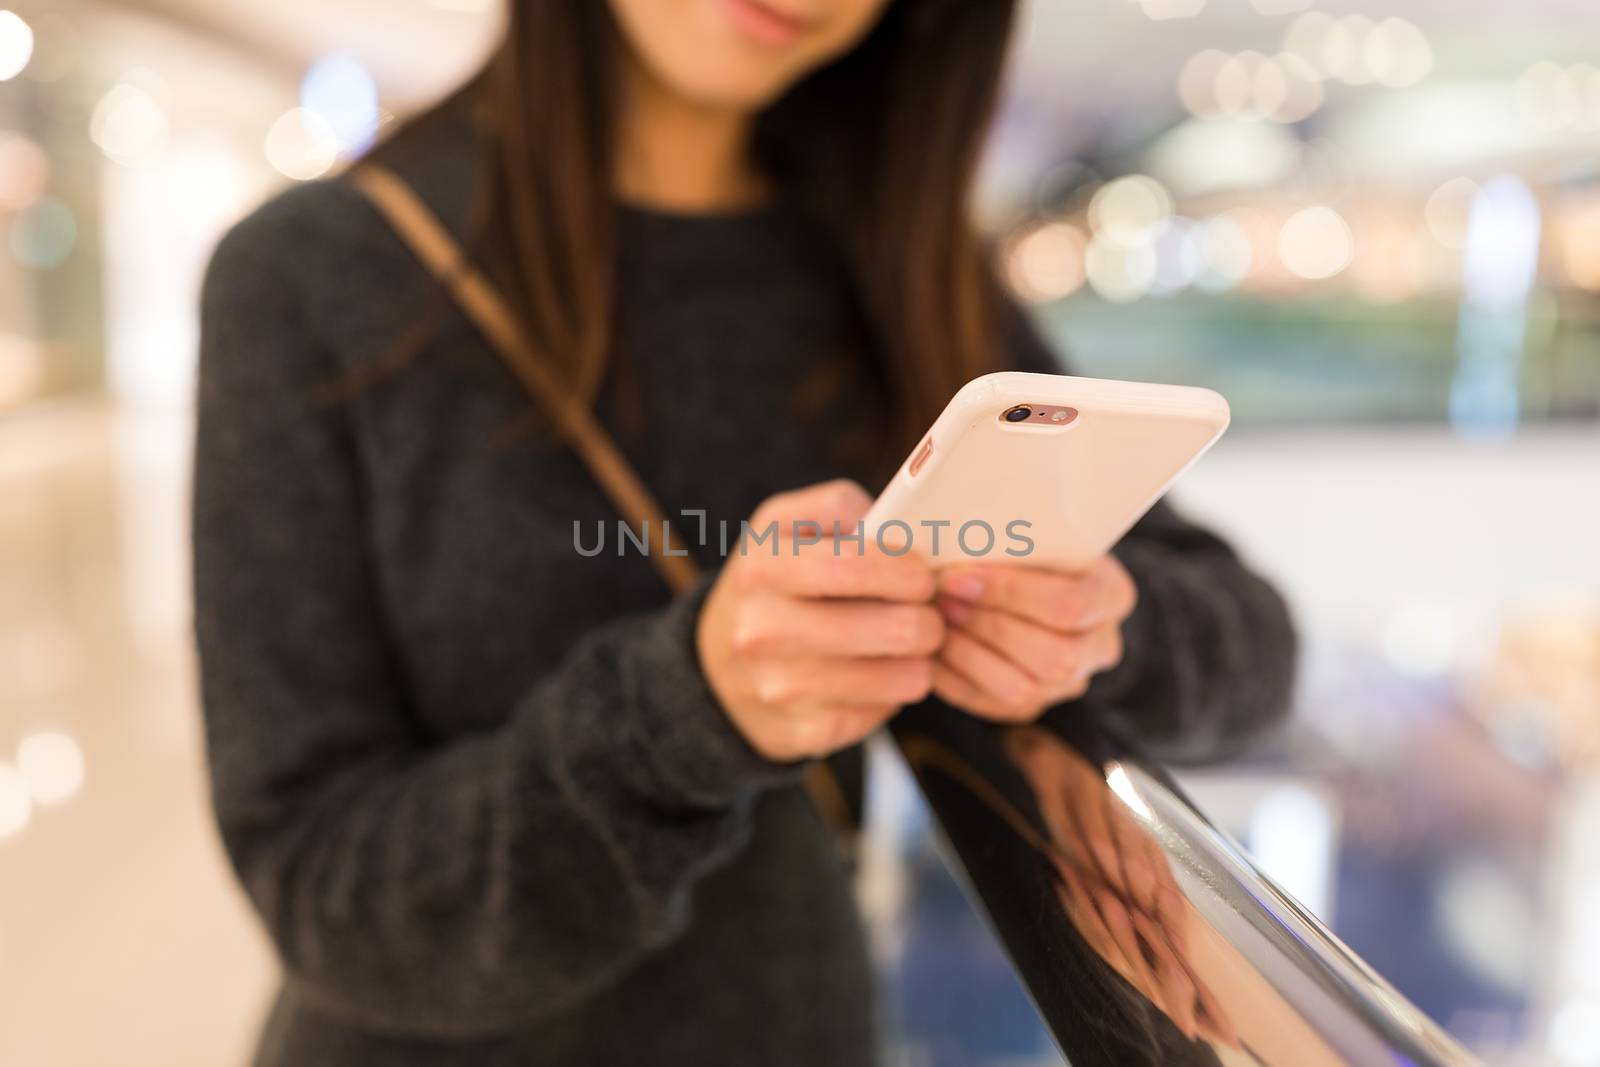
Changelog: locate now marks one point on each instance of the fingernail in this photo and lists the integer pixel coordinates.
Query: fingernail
(954, 610)
(965, 586)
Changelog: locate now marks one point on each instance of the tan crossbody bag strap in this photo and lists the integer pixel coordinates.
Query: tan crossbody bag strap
(438, 250)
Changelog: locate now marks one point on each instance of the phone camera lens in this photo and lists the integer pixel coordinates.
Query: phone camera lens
(1019, 413)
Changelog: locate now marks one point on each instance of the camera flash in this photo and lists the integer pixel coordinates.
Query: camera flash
(1058, 416)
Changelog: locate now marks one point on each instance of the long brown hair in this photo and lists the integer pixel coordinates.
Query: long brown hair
(879, 148)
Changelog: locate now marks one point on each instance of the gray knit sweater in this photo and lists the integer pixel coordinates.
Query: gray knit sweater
(475, 784)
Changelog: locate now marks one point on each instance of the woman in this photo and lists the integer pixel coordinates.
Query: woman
(498, 802)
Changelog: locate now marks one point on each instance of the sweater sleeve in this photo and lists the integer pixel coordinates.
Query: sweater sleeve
(1208, 653)
(441, 888)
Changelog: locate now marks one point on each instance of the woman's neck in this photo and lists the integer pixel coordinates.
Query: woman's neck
(676, 155)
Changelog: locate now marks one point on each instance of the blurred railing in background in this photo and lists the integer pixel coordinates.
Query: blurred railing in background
(1374, 225)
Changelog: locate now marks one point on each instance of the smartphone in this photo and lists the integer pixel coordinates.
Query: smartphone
(1043, 470)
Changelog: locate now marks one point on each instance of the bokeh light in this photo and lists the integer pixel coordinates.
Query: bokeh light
(129, 125)
(1551, 97)
(16, 44)
(1397, 54)
(302, 145)
(1579, 242)
(1178, 256)
(52, 765)
(1225, 253)
(16, 804)
(24, 172)
(1316, 243)
(342, 91)
(1119, 273)
(1046, 263)
(1123, 211)
(1356, 50)
(1249, 85)
(43, 236)
(1503, 237)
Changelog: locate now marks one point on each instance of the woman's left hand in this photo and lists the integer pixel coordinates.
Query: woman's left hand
(1021, 639)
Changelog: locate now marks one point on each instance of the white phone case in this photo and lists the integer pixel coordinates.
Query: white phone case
(1053, 492)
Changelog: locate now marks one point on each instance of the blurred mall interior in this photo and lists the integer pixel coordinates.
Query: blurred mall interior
(1373, 224)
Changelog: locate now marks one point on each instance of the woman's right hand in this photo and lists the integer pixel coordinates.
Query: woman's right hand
(811, 647)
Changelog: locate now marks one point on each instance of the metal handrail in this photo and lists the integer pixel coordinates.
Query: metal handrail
(1142, 932)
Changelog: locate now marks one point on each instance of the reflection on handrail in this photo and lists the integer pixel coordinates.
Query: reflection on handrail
(1142, 933)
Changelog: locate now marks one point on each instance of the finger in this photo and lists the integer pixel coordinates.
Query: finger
(1011, 695)
(826, 729)
(1097, 835)
(1061, 601)
(802, 683)
(833, 568)
(1173, 912)
(1176, 986)
(1050, 656)
(1114, 913)
(1211, 1019)
(950, 687)
(1081, 909)
(775, 625)
(1138, 875)
(841, 500)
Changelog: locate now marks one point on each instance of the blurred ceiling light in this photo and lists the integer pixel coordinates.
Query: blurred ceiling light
(1225, 253)
(129, 125)
(15, 804)
(43, 236)
(1119, 273)
(1358, 51)
(1177, 256)
(1549, 97)
(343, 92)
(1316, 243)
(302, 145)
(1197, 83)
(1447, 209)
(1047, 263)
(21, 369)
(1396, 53)
(16, 44)
(1236, 83)
(52, 765)
(1342, 49)
(24, 172)
(1249, 85)
(1124, 210)
(1269, 88)
(1580, 246)
(1160, 10)
(1305, 35)
(1196, 158)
